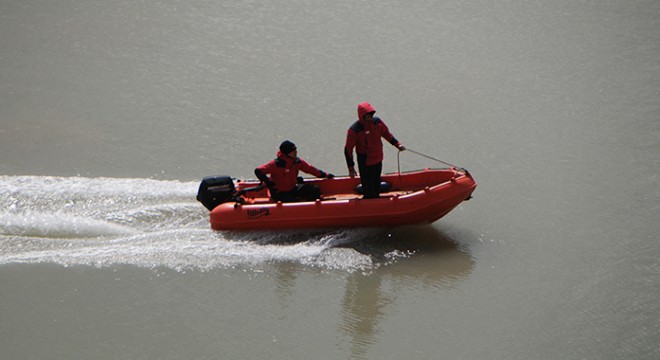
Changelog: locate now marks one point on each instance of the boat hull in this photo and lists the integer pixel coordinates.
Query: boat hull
(418, 197)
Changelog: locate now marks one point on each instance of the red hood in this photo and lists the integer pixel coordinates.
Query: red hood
(364, 108)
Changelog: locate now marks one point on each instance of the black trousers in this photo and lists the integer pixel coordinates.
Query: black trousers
(302, 192)
(370, 179)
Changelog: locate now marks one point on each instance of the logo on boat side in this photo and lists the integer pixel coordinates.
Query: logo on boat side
(255, 214)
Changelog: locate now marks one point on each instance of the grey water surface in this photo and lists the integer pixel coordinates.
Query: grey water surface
(112, 111)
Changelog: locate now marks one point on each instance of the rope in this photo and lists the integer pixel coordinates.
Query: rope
(432, 158)
(398, 161)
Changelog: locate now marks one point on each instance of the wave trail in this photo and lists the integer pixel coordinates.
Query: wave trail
(153, 223)
(57, 225)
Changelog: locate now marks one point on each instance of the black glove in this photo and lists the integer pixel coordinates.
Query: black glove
(324, 174)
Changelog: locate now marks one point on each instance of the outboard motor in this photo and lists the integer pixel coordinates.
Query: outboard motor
(215, 190)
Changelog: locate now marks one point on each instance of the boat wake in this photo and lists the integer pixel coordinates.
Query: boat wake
(103, 222)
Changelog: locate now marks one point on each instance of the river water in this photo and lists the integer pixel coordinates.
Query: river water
(111, 113)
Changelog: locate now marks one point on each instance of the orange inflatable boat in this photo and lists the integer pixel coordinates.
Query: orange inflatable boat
(415, 197)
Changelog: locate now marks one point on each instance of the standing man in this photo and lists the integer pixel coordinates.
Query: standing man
(365, 136)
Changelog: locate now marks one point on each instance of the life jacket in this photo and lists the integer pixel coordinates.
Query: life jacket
(366, 138)
(283, 171)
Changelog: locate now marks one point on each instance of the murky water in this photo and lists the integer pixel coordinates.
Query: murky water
(111, 112)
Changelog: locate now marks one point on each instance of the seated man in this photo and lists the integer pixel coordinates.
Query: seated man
(283, 181)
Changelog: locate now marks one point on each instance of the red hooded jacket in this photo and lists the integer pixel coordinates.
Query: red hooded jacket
(284, 171)
(365, 137)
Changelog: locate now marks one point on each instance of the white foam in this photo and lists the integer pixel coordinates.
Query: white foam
(57, 225)
(149, 223)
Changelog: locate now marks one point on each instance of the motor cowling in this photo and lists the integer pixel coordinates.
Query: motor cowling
(215, 190)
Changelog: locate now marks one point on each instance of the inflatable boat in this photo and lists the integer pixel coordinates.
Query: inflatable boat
(407, 198)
